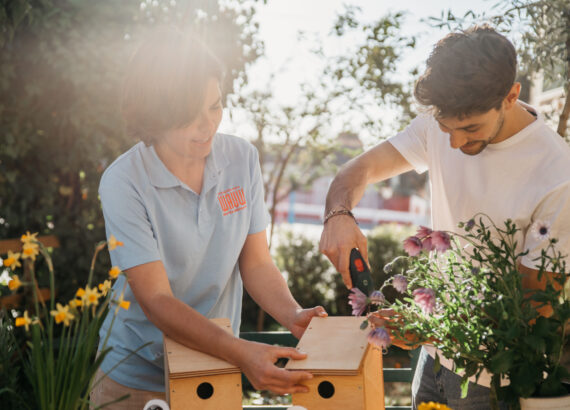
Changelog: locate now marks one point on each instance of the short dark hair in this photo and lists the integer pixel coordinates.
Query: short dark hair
(468, 72)
(165, 83)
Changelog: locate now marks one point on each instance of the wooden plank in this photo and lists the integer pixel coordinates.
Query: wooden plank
(183, 361)
(226, 393)
(373, 379)
(348, 393)
(15, 245)
(333, 344)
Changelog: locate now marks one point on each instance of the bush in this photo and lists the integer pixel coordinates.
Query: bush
(384, 245)
(314, 281)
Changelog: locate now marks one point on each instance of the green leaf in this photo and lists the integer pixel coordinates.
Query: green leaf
(541, 328)
(536, 342)
(525, 379)
(501, 362)
(471, 369)
(436, 364)
(464, 386)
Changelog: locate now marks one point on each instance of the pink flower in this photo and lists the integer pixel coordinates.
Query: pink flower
(425, 299)
(427, 244)
(377, 297)
(413, 246)
(400, 283)
(423, 232)
(379, 337)
(441, 240)
(357, 300)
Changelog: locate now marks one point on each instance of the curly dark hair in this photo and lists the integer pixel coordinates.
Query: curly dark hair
(165, 84)
(468, 72)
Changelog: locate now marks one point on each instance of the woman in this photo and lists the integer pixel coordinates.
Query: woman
(187, 203)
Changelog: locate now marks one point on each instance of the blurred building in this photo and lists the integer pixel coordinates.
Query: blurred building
(547, 96)
(403, 199)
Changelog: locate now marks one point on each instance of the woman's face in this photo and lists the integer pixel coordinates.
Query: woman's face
(195, 140)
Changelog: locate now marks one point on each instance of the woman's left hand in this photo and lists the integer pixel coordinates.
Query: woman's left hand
(303, 317)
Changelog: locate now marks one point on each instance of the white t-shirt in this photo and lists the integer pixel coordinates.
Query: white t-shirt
(525, 178)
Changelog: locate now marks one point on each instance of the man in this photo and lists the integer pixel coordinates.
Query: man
(485, 152)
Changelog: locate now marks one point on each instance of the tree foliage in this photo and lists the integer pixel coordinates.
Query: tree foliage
(61, 68)
(375, 64)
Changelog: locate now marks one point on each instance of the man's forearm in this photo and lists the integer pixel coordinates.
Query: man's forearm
(378, 164)
(347, 188)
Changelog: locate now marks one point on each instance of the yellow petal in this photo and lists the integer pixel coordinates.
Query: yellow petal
(125, 304)
(14, 283)
(112, 243)
(114, 272)
(29, 237)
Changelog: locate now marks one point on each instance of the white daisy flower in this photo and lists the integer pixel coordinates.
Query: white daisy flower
(540, 230)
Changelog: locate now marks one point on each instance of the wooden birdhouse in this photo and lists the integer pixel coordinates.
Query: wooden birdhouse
(196, 380)
(347, 370)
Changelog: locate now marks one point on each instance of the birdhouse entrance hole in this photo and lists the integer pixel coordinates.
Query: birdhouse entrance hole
(205, 390)
(326, 389)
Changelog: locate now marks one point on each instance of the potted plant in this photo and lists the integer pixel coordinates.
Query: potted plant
(50, 349)
(469, 302)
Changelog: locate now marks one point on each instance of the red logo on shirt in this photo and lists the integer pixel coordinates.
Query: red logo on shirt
(232, 200)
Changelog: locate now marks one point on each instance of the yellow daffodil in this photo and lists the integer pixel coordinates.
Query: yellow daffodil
(29, 237)
(125, 304)
(91, 296)
(104, 287)
(75, 303)
(432, 406)
(62, 314)
(114, 272)
(12, 261)
(112, 243)
(24, 321)
(30, 250)
(80, 292)
(14, 283)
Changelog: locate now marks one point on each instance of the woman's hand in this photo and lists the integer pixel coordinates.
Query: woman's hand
(257, 362)
(302, 317)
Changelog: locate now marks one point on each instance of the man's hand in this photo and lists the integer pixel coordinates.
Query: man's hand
(257, 361)
(340, 235)
(302, 318)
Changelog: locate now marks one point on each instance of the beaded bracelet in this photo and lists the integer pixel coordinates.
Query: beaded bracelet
(336, 212)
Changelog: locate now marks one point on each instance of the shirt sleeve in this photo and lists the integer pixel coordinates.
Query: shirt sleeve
(412, 143)
(127, 219)
(552, 214)
(259, 215)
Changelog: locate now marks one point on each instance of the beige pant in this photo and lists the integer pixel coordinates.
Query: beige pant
(108, 390)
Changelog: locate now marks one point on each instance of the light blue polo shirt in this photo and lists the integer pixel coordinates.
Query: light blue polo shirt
(198, 238)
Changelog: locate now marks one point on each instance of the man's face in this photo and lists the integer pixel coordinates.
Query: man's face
(473, 133)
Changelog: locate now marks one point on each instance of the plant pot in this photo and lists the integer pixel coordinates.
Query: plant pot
(546, 403)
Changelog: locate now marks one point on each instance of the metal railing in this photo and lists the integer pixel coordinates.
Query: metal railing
(405, 374)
